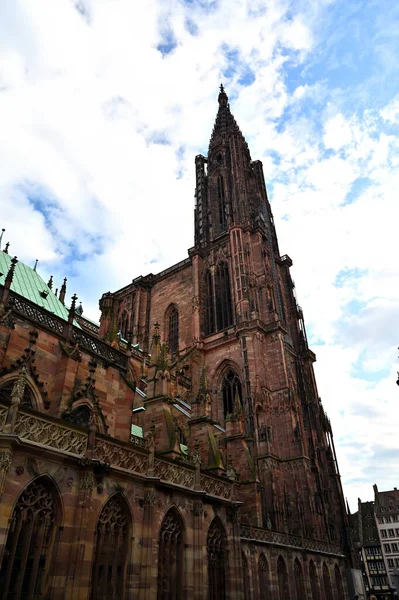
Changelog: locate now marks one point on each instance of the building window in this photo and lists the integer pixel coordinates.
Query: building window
(282, 576)
(170, 558)
(314, 582)
(387, 547)
(224, 316)
(124, 325)
(264, 578)
(394, 547)
(327, 583)
(384, 533)
(28, 558)
(380, 520)
(391, 563)
(231, 388)
(173, 330)
(209, 305)
(299, 582)
(27, 398)
(338, 582)
(391, 533)
(246, 581)
(111, 549)
(221, 205)
(397, 532)
(216, 549)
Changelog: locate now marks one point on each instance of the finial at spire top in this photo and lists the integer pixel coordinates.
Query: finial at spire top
(222, 99)
(35, 267)
(1, 236)
(6, 248)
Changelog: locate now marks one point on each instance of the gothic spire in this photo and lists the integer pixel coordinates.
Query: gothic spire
(225, 125)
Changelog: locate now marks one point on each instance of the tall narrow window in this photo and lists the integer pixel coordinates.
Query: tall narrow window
(29, 552)
(246, 582)
(173, 331)
(327, 583)
(314, 583)
(170, 558)
(124, 325)
(216, 549)
(111, 551)
(221, 205)
(263, 578)
(231, 388)
(338, 582)
(299, 582)
(283, 589)
(209, 305)
(224, 317)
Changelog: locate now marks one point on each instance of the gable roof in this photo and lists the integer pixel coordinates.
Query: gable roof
(28, 283)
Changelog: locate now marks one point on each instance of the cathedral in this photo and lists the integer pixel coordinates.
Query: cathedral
(177, 450)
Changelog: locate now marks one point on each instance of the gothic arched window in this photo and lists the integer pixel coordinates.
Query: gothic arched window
(263, 569)
(112, 542)
(28, 398)
(338, 582)
(299, 582)
(224, 315)
(283, 589)
(29, 551)
(79, 416)
(173, 330)
(170, 558)
(124, 325)
(231, 388)
(314, 584)
(216, 550)
(221, 205)
(209, 305)
(245, 570)
(327, 583)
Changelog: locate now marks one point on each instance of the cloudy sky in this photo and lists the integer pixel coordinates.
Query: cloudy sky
(104, 105)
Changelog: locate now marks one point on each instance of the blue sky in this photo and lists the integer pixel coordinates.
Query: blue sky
(103, 107)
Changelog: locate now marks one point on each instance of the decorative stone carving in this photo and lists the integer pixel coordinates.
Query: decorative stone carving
(35, 429)
(198, 509)
(174, 473)
(5, 459)
(150, 497)
(3, 416)
(120, 456)
(86, 483)
(216, 487)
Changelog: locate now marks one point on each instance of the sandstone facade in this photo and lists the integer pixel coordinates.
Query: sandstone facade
(180, 450)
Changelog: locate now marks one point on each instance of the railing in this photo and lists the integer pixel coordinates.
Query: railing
(47, 431)
(100, 348)
(257, 534)
(134, 457)
(57, 325)
(86, 324)
(38, 315)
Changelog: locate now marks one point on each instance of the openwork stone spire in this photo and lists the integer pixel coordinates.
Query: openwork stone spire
(225, 125)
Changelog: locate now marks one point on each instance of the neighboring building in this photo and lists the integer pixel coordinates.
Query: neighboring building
(180, 451)
(367, 542)
(387, 517)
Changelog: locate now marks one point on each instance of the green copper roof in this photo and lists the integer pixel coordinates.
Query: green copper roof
(28, 283)
(137, 431)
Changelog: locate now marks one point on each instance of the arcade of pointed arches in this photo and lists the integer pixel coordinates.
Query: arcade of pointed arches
(29, 561)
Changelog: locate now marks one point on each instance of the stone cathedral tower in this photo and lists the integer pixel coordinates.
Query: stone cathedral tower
(185, 431)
